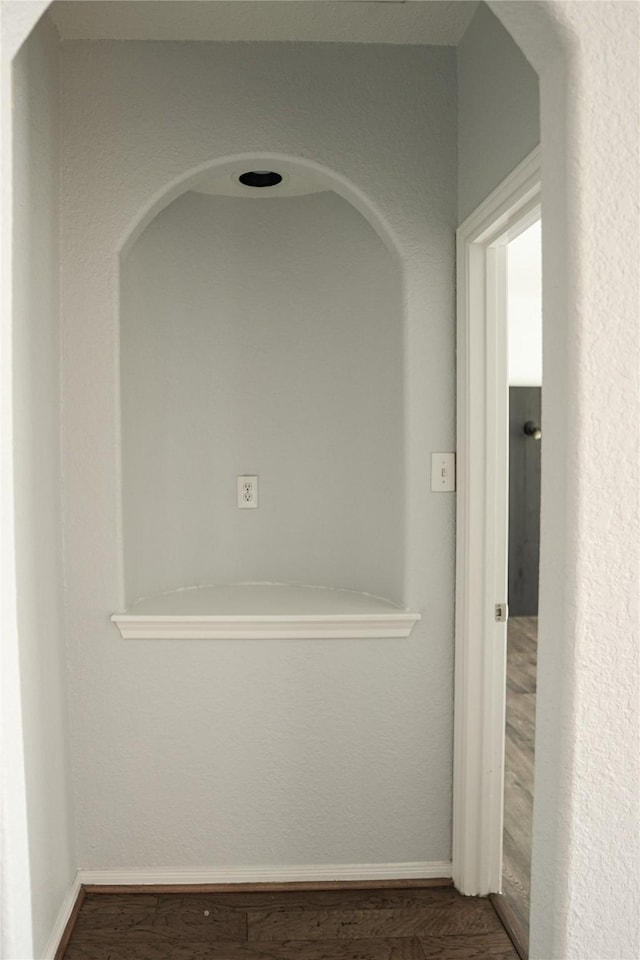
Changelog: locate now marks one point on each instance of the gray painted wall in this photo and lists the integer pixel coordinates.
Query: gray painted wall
(498, 109)
(37, 475)
(262, 337)
(278, 752)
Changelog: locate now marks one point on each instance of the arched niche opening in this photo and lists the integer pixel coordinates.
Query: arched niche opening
(262, 335)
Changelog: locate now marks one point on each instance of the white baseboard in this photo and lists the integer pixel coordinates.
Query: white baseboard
(427, 870)
(309, 873)
(62, 919)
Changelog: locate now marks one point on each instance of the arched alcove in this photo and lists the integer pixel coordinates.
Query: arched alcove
(262, 334)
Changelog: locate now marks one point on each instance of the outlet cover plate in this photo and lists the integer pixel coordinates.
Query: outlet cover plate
(247, 492)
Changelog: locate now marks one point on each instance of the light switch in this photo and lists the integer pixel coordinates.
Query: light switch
(443, 472)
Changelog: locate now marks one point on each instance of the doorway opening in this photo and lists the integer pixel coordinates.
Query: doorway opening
(524, 374)
(483, 527)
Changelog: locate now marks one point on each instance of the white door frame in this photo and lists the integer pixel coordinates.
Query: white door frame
(482, 525)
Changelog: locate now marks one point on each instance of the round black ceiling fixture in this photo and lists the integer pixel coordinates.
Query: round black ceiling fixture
(260, 178)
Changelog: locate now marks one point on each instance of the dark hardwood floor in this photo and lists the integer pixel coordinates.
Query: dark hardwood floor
(522, 641)
(422, 923)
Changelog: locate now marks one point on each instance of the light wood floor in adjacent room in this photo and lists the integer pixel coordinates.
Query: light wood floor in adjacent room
(422, 923)
(522, 642)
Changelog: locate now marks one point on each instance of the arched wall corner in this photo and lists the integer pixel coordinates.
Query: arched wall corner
(539, 30)
(227, 164)
(18, 23)
(585, 56)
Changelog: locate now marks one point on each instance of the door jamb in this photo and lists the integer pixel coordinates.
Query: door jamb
(482, 517)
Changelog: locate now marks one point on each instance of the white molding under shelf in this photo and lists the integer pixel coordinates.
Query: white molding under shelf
(135, 626)
(264, 612)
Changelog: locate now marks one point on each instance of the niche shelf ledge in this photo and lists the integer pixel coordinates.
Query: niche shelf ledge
(263, 612)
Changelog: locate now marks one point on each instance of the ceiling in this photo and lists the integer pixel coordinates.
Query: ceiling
(439, 22)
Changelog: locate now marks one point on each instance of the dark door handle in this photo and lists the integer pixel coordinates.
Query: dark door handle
(532, 430)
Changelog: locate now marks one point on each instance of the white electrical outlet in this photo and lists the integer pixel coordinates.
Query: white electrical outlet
(443, 472)
(247, 492)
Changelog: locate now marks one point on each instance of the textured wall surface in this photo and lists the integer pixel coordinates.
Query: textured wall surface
(38, 517)
(498, 108)
(586, 851)
(262, 336)
(244, 753)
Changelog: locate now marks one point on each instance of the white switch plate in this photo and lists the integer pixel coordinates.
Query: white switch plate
(247, 493)
(443, 472)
